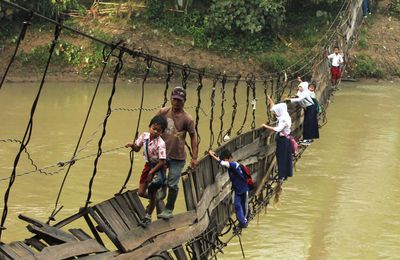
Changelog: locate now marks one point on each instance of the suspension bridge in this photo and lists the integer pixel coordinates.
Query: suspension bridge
(207, 225)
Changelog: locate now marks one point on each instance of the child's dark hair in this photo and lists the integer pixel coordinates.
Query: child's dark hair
(225, 154)
(159, 120)
(313, 83)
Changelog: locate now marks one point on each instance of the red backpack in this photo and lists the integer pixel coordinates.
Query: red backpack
(247, 174)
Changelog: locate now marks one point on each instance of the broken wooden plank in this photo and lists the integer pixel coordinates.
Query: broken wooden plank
(69, 249)
(107, 213)
(93, 228)
(15, 251)
(136, 237)
(101, 256)
(128, 209)
(105, 228)
(47, 232)
(188, 192)
(79, 234)
(35, 243)
(123, 212)
(133, 198)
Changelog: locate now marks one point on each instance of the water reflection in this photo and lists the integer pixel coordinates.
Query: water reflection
(341, 204)
(343, 201)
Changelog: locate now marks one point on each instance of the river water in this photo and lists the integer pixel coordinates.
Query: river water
(341, 204)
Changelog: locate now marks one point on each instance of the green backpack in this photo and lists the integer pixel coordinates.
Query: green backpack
(318, 105)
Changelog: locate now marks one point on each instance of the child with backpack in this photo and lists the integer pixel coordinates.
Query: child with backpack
(239, 185)
(310, 122)
(311, 89)
(153, 174)
(284, 148)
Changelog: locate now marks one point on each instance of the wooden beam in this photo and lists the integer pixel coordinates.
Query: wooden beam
(136, 237)
(69, 249)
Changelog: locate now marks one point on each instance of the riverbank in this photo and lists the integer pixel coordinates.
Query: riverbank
(76, 59)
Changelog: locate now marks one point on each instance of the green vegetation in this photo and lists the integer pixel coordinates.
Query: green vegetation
(362, 39)
(367, 68)
(245, 26)
(64, 54)
(271, 33)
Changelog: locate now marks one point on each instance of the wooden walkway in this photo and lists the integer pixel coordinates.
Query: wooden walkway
(194, 234)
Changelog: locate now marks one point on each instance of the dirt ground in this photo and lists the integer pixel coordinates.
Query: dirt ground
(383, 40)
(383, 37)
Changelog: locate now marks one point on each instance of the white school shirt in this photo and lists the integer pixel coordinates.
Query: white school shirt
(283, 127)
(303, 98)
(284, 119)
(336, 59)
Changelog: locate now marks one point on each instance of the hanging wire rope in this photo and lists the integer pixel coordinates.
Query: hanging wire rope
(198, 106)
(234, 107)
(170, 73)
(269, 116)
(106, 57)
(117, 69)
(132, 152)
(28, 131)
(63, 164)
(185, 75)
(36, 168)
(248, 86)
(213, 89)
(253, 102)
(221, 117)
(21, 37)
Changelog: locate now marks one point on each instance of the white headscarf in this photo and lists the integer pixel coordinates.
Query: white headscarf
(303, 97)
(284, 119)
(304, 85)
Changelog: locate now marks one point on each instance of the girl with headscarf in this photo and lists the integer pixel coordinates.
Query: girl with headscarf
(310, 122)
(284, 151)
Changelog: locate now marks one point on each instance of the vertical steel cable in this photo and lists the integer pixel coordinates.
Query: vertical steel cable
(28, 131)
(234, 106)
(254, 101)
(248, 86)
(221, 118)
(265, 83)
(131, 153)
(21, 37)
(278, 87)
(106, 57)
(212, 111)
(199, 88)
(185, 75)
(170, 73)
(117, 69)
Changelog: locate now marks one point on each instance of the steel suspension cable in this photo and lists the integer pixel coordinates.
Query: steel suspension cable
(196, 126)
(106, 57)
(117, 69)
(269, 116)
(28, 131)
(234, 106)
(21, 37)
(185, 75)
(132, 152)
(253, 102)
(212, 111)
(170, 73)
(221, 117)
(248, 86)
